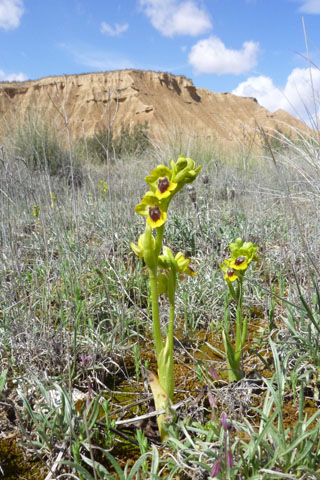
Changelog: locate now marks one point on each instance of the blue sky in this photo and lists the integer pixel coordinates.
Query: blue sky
(248, 47)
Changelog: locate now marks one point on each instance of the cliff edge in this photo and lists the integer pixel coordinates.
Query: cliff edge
(169, 103)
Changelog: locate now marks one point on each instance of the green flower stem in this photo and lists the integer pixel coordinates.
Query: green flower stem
(171, 325)
(232, 291)
(155, 311)
(159, 239)
(234, 354)
(238, 349)
(170, 349)
(164, 350)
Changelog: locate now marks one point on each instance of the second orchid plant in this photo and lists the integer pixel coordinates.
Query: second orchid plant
(163, 268)
(235, 267)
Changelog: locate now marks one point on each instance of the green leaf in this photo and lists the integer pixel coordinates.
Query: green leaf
(138, 465)
(116, 465)
(234, 372)
(79, 468)
(155, 460)
(3, 378)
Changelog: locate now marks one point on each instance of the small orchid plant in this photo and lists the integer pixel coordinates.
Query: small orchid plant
(225, 460)
(234, 268)
(163, 268)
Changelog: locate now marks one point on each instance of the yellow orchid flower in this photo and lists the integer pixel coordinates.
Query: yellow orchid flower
(239, 263)
(183, 265)
(165, 187)
(150, 207)
(160, 182)
(230, 274)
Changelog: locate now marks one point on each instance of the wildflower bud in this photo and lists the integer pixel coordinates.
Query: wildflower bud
(213, 405)
(182, 162)
(148, 248)
(213, 372)
(227, 427)
(85, 360)
(224, 421)
(216, 468)
(212, 400)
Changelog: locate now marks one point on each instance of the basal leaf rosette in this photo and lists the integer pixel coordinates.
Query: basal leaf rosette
(152, 208)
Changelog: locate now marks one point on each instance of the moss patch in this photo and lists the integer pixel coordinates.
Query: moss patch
(15, 466)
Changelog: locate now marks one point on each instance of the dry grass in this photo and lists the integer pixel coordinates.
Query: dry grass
(74, 302)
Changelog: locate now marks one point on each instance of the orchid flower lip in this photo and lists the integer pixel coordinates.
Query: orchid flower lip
(163, 184)
(239, 260)
(155, 213)
(155, 216)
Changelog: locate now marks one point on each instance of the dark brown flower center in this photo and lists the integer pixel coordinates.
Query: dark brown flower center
(230, 272)
(163, 184)
(154, 213)
(239, 260)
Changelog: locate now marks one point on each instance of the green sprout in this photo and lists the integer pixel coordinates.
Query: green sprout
(163, 268)
(35, 211)
(234, 268)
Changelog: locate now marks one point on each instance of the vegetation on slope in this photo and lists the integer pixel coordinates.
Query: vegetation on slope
(75, 321)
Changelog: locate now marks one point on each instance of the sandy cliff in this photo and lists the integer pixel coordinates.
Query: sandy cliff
(167, 102)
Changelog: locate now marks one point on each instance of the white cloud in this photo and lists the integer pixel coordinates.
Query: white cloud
(113, 31)
(97, 59)
(174, 17)
(300, 93)
(261, 88)
(11, 12)
(310, 6)
(211, 56)
(297, 97)
(12, 77)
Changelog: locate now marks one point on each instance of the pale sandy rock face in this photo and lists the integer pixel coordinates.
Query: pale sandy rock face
(169, 103)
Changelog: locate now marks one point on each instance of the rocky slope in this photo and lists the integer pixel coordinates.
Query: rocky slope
(170, 104)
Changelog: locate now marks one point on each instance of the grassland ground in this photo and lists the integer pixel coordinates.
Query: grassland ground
(76, 331)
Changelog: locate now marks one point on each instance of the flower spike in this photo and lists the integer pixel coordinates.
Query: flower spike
(164, 269)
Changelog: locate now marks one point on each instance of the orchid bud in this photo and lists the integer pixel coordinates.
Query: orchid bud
(216, 468)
